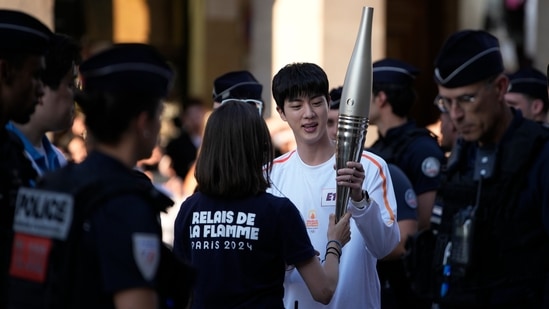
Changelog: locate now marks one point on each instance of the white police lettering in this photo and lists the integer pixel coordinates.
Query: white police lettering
(207, 226)
(146, 252)
(43, 213)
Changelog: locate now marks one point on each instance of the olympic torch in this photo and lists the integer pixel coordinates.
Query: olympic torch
(354, 105)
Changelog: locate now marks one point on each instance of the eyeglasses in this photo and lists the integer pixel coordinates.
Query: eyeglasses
(258, 104)
(445, 104)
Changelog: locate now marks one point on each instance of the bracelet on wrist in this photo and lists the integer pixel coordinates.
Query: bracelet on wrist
(335, 242)
(330, 252)
(334, 249)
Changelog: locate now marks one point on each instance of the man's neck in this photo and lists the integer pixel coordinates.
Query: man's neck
(496, 134)
(317, 153)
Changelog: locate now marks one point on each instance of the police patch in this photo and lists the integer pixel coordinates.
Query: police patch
(43, 213)
(410, 198)
(146, 252)
(430, 167)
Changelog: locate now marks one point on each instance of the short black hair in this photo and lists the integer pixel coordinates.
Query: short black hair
(401, 97)
(298, 79)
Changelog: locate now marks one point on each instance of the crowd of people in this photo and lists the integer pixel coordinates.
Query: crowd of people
(458, 220)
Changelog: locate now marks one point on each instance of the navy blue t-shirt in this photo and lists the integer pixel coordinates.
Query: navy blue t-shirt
(240, 248)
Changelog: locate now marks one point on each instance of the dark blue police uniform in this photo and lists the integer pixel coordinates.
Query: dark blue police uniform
(89, 231)
(20, 34)
(123, 239)
(416, 152)
(15, 171)
(509, 261)
(391, 273)
(114, 244)
(492, 248)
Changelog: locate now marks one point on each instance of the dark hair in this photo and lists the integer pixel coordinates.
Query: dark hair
(400, 97)
(235, 150)
(63, 52)
(108, 115)
(299, 79)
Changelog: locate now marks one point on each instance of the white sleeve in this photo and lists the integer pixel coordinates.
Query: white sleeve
(377, 220)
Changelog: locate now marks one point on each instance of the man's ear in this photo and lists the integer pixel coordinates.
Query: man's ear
(142, 123)
(537, 106)
(502, 85)
(281, 113)
(381, 97)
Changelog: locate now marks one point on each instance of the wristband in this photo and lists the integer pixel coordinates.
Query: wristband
(330, 252)
(336, 242)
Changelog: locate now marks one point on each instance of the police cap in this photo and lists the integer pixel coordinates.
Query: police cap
(236, 85)
(467, 57)
(20, 32)
(127, 68)
(393, 71)
(531, 82)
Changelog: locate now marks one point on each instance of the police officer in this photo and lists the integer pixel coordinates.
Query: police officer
(237, 85)
(400, 141)
(528, 93)
(493, 245)
(23, 43)
(414, 150)
(106, 248)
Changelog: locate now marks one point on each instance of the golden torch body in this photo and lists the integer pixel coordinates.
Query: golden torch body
(354, 105)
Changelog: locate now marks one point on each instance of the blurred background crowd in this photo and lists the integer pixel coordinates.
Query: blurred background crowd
(204, 39)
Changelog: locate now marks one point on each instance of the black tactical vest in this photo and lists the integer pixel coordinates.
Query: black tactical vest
(59, 288)
(502, 253)
(392, 151)
(15, 171)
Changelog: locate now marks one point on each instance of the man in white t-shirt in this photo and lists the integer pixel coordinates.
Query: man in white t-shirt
(307, 177)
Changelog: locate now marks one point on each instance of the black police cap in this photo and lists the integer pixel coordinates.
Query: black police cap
(127, 68)
(531, 82)
(393, 71)
(236, 85)
(20, 32)
(467, 57)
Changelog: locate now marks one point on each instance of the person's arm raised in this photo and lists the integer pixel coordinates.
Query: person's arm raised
(322, 279)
